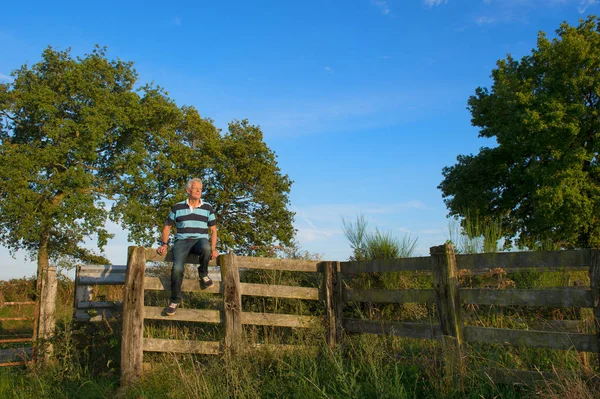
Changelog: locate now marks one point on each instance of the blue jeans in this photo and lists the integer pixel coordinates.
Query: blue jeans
(181, 250)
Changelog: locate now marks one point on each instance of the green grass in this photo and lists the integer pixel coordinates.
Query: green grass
(88, 355)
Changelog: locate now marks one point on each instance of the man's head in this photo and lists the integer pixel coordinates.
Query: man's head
(194, 188)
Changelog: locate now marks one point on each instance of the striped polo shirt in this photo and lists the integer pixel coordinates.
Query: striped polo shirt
(191, 224)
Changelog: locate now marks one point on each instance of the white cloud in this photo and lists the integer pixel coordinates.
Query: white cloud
(306, 235)
(177, 21)
(434, 3)
(482, 20)
(5, 78)
(333, 213)
(585, 4)
(383, 6)
(431, 232)
(328, 69)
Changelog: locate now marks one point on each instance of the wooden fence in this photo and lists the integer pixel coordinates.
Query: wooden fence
(446, 295)
(16, 356)
(85, 306)
(88, 307)
(43, 323)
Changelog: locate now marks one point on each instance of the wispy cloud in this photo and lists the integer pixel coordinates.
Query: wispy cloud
(307, 235)
(333, 213)
(328, 69)
(484, 20)
(4, 77)
(434, 3)
(382, 6)
(177, 21)
(585, 4)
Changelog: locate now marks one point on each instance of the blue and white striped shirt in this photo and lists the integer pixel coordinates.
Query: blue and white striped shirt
(191, 223)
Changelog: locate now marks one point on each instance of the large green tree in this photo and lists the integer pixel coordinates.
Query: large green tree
(79, 144)
(241, 178)
(542, 178)
(62, 121)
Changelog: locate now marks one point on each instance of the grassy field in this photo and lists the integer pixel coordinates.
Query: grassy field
(366, 366)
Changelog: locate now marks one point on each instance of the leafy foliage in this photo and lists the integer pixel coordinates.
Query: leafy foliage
(240, 177)
(80, 144)
(542, 179)
(64, 123)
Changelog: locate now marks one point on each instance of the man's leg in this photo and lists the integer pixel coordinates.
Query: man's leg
(181, 250)
(203, 250)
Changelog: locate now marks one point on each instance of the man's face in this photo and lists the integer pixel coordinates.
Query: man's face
(195, 191)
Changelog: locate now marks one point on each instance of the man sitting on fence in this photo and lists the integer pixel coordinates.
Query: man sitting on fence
(194, 219)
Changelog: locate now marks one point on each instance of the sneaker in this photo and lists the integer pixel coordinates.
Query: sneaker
(205, 282)
(171, 309)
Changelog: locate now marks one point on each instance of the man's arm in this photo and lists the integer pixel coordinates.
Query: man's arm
(165, 239)
(213, 242)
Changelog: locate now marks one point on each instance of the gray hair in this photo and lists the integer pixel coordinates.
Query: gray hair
(188, 186)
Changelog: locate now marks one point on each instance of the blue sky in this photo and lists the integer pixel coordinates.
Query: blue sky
(363, 101)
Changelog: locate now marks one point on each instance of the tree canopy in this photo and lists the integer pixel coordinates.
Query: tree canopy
(80, 143)
(542, 178)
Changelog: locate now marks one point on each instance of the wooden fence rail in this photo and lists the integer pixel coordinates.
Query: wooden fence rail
(23, 354)
(446, 294)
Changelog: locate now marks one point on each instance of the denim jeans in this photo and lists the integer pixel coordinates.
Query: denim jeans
(181, 250)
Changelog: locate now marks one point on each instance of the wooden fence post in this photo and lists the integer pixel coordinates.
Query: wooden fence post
(47, 312)
(445, 284)
(333, 302)
(595, 286)
(232, 301)
(83, 293)
(132, 350)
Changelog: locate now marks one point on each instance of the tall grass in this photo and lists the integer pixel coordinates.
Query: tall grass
(365, 366)
(475, 234)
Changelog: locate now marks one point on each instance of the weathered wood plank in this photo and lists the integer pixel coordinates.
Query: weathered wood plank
(101, 275)
(281, 291)
(47, 311)
(83, 293)
(570, 326)
(153, 256)
(547, 260)
(390, 296)
(20, 318)
(95, 270)
(182, 346)
(100, 305)
(447, 300)
(281, 320)
(552, 297)
(232, 301)
(410, 330)
(293, 265)
(531, 338)
(17, 303)
(333, 302)
(188, 285)
(108, 279)
(15, 354)
(387, 265)
(132, 353)
(196, 315)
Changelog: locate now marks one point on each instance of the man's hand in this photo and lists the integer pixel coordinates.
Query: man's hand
(162, 249)
(214, 254)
